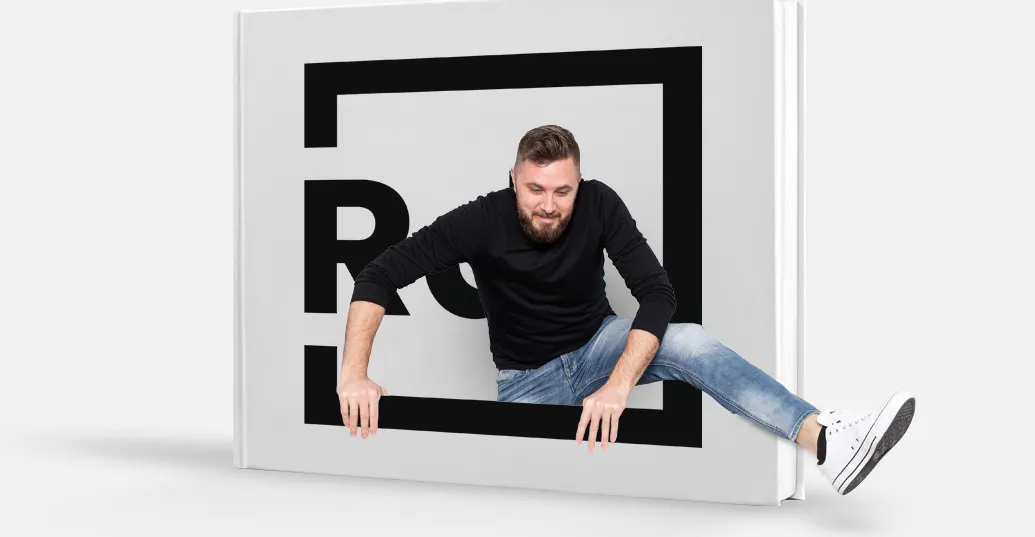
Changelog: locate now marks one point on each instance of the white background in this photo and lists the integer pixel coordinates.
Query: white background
(116, 346)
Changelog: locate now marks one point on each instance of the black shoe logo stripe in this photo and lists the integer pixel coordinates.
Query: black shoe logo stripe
(868, 450)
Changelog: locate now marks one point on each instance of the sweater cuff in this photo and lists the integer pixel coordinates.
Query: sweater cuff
(370, 292)
(653, 317)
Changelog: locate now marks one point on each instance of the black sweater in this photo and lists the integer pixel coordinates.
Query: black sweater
(540, 301)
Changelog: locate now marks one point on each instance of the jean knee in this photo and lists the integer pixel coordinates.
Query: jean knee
(684, 341)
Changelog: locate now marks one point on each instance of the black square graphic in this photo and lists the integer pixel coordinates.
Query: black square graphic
(678, 70)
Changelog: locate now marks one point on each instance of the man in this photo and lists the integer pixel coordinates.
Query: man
(536, 250)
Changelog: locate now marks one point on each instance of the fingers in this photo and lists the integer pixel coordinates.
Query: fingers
(581, 431)
(359, 405)
(601, 415)
(353, 415)
(364, 416)
(590, 416)
(373, 416)
(594, 420)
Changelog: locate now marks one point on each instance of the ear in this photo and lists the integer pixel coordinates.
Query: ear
(512, 183)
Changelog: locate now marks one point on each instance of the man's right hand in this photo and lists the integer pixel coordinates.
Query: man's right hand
(358, 397)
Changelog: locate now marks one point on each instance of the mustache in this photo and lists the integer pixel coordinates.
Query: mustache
(544, 215)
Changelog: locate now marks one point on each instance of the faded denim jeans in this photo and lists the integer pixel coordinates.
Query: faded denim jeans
(686, 353)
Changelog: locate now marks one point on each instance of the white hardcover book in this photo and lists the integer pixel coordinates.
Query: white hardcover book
(357, 126)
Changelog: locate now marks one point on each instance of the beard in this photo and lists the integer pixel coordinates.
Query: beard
(546, 234)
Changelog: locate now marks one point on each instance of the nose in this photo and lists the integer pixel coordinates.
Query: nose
(548, 205)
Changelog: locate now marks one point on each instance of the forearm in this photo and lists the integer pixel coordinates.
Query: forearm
(639, 351)
(363, 320)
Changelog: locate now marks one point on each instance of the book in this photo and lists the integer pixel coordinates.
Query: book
(355, 126)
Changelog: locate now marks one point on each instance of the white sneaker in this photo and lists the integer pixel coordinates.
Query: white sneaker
(856, 440)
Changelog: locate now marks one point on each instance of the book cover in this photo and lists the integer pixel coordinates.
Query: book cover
(356, 126)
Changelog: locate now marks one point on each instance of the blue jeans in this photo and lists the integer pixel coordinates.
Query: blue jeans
(686, 353)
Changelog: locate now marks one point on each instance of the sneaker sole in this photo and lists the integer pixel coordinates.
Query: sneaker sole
(891, 436)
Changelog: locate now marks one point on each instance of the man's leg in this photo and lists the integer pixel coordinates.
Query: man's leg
(852, 441)
(688, 353)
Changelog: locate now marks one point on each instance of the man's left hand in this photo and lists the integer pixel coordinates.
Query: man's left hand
(601, 410)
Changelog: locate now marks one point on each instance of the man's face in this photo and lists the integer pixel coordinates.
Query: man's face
(545, 197)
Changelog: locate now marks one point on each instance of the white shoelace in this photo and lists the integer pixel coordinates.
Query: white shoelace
(841, 425)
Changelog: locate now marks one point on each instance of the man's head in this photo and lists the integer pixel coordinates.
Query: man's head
(545, 179)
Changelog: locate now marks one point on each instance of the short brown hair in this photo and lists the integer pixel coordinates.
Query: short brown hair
(545, 144)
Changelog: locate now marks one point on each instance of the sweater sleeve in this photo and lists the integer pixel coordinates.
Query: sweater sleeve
(636, 262)
(452, 238)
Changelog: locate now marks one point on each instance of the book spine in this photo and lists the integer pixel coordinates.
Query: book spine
(239, 386)
(788, 49)
(803, 458)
